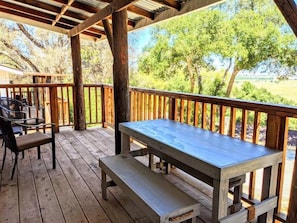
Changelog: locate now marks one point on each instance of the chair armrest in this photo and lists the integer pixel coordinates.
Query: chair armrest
(11, 114)
(26, 121)
(36, 125)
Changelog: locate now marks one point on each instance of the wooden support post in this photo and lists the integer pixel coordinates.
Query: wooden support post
(78, 90)
(108, 31)
(172, 108)
(120, 73)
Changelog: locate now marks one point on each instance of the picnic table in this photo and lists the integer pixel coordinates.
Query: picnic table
(215, 157)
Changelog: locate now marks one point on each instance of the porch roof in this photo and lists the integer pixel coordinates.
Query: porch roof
(92, 18)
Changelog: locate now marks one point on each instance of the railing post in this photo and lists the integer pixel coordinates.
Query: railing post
(277, 138)
(172, 108)
(103, 118)
(54, 107)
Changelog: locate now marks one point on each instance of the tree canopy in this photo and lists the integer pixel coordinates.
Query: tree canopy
(37, 50)
(221, 41)
(34, 50)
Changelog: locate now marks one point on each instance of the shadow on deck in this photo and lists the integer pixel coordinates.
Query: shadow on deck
(72, 192)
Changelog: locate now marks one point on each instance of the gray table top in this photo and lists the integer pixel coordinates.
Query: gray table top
(218, 150)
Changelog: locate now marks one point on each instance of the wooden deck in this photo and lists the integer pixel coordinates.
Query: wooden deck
(72, 193)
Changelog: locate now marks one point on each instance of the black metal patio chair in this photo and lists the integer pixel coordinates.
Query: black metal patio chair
(27, 141)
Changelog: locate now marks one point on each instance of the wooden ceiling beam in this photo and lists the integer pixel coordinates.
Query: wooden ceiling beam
(42, 20)
(79, 5)
(187, 7)
(102, 14)
(51, 8)
(141, 12)
(63, 10)
(90, 9)
(31, 20)
(108, 31)
(27, 11)
(136, 10)
(169, 3)
(289, 10)
(38, 16)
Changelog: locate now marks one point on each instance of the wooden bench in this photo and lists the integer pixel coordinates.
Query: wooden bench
(235, 182)
(158, 198)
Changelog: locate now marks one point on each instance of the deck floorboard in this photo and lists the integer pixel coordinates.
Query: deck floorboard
(72, 192)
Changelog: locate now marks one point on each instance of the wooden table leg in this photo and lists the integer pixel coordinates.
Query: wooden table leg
(103, 185)
(268, 190)
(237, 205)
(219, 200)
(125, 143)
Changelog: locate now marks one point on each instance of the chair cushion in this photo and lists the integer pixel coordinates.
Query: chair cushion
(32, 140)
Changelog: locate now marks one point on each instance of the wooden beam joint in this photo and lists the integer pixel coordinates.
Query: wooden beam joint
(114, 6)
(63, 10)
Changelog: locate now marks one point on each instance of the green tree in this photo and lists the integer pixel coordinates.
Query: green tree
(259, 36)
(184, 48)
(34, 50)
(242, 35)
(37, 50)
(97, 62)
(248, 91)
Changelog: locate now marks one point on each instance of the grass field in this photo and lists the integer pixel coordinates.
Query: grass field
(286, 89)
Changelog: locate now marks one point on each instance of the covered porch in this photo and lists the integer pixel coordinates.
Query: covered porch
(77, 162)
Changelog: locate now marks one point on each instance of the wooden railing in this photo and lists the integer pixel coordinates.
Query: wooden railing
(260, 123)
(57, 101)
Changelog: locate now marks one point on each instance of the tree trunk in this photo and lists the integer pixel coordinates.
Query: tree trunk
(222, 82)
(30, 37)
(231, 82)
(199, 80)
(191, 75)
(24, 58)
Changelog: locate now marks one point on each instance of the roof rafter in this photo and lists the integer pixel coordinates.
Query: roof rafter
(102, 14)
(289, 11)
(63, 10)
(187, 7)
(79, 5)
(136, 10)
(42, 20)
(51, 8)
(89, 9)
(169, 3)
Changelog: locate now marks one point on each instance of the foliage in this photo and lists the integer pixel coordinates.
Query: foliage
(180, 49)
(237, 36)
(36, 50)
(33, 50)
(97, 62)
(248, 91)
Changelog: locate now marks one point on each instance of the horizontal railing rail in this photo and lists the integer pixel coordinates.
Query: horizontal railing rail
(57, 101)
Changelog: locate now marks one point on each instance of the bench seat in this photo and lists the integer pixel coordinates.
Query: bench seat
(157, 197)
